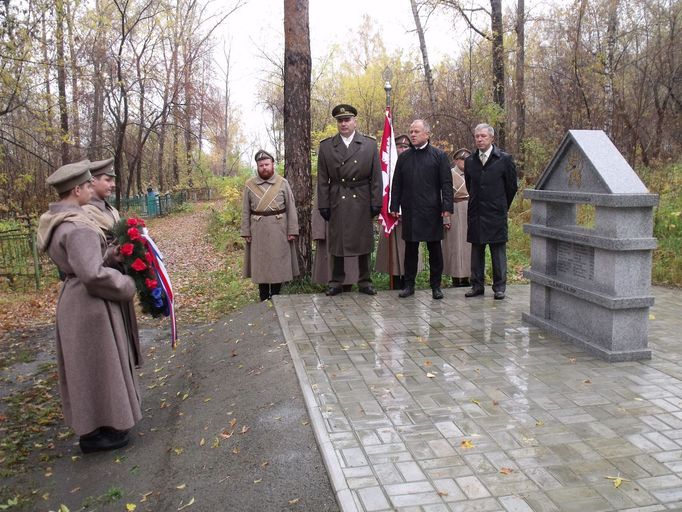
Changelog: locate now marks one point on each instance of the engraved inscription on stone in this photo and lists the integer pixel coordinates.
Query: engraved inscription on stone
(575, 259)
(574, 168)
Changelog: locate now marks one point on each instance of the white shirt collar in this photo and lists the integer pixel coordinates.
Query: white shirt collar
(486, 153)
(347, 140)
(423, 145)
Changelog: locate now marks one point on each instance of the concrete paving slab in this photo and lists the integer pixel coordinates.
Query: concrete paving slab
(457, 404)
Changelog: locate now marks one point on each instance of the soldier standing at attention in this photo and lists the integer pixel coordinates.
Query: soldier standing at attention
(349, 195)
(270, 227)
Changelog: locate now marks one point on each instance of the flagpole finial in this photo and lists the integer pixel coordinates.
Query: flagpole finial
(387, 75)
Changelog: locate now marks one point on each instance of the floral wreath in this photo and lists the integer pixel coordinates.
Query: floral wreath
(143, 261)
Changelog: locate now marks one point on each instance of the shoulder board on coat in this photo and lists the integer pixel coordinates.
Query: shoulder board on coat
(369, 136)
(326, 139)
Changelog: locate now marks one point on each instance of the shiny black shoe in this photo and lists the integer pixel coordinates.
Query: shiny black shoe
(498, 295)
(103, 441)
(333, 290)
(473, 293)
(368, 290)
(406, 292)
(437, 293)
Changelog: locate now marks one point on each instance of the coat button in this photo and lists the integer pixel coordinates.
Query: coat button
(353, 179)
(354, 196)
(343, 179)
(343, 197)
(355, 161)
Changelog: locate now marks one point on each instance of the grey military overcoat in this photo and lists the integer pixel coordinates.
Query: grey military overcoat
(97, 381)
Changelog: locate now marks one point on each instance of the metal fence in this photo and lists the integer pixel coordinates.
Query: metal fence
(157, 205)
(20, 265)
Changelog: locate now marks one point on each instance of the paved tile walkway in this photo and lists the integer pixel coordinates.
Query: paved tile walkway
(457, 405)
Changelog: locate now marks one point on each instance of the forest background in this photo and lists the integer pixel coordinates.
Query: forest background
(139, 80)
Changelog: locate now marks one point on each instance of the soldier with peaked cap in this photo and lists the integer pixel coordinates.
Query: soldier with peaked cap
(349, 195)
(270, 227)
(456, 249)
(105, 216)
(395, 243)
(97, 382)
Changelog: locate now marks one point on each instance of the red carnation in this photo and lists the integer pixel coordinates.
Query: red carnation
(138, 265)
(134, 234)
(127, 249)
(151, 283)
(149, 257)
(132, 222)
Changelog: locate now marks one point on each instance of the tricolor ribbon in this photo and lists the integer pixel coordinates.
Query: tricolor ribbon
(164, 279)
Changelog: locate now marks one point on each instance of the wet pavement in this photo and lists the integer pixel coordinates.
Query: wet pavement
(457, 405)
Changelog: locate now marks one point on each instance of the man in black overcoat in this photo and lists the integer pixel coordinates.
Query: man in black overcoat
(422, 189)
(490, 176)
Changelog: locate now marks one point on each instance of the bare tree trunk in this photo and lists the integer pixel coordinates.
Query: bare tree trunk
(61, 82)
(75, 94)
(297, 68)
(48, 90)
(576, 58)
(520, 81)
(498, 65)
(425, 56)
(611, 33)
(227, 112)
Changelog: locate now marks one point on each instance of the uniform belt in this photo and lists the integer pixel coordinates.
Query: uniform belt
(269, 213)
(349, 184)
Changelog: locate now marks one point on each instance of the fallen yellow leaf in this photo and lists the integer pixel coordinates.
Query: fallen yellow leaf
(258, 481)
(233, 422)
(244, 429)
(181, 486)
(427, 363)
(474, 401)
(202, 442)
(130, 507)
(539, 423)
(466, 444)
(442, 493)
(430, 375)
(506, 471)
(236, 450)
(294, 501)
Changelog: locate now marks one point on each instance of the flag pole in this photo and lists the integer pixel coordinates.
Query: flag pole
(387, 88)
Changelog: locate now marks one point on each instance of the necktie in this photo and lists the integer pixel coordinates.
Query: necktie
(483, 158)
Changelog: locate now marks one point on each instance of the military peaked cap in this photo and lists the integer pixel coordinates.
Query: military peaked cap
(261, 154)
(70, 176)
(344, 110)
(101, 167)
(402, 139)
(461, 154)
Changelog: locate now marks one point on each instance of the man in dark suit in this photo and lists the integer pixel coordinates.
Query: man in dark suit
(490, 176)
(422, 188)
(349, 195)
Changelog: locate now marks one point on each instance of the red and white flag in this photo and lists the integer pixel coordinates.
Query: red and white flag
(389, 156)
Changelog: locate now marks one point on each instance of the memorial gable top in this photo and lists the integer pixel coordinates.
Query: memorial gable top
(587, 161)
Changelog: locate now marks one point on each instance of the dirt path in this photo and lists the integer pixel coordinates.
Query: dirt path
(224, 427)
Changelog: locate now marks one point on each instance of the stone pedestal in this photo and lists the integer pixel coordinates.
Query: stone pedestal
(590, 285)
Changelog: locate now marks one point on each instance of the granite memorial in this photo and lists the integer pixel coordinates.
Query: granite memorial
(591, 279)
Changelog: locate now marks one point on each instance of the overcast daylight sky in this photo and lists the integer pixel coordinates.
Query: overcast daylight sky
(258, 27)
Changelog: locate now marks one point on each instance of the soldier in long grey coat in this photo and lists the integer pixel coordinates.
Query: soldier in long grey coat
(105, 216)
(270, 227)
(456, 249)
(97, 382)
(349, 194)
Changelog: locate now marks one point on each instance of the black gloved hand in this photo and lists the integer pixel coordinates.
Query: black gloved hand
(326, 213)
(376, 210)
